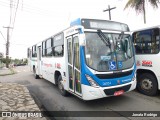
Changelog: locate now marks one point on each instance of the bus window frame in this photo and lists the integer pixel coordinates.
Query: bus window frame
(58, 45)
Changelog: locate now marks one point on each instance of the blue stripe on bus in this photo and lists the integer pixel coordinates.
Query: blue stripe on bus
(83, 68)
(104, 82)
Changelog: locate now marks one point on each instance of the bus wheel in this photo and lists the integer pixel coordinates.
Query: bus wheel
(35, 75)
(147, 84)
(61, 87)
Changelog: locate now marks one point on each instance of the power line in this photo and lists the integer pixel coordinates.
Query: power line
(20, 44)
(15, 13)
(11, 3)
(30, 9)
(3, 36)
(14, 18)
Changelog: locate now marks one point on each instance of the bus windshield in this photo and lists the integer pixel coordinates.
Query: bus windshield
(118, 55)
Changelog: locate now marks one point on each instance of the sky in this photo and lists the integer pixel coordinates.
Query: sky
(36, 20)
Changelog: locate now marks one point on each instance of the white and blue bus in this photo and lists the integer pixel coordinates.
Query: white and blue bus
(91, 59)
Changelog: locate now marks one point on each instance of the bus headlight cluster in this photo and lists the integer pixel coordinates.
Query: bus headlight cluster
(91, 81)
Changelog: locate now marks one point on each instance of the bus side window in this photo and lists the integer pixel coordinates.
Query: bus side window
(147, 48)
(138, 49)
(58, 51)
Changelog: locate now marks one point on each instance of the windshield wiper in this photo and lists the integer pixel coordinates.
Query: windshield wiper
(120, 37)
(104, 38)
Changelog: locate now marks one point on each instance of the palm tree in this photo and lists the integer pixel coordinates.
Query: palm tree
(139, 6)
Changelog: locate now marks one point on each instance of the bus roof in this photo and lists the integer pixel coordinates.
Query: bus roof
(100, 24)
(146, 28)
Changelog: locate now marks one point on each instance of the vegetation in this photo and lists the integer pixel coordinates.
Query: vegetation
(20, 61)
(139, 6)
(15, 61)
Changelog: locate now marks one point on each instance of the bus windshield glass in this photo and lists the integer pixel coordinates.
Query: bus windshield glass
(117, 55)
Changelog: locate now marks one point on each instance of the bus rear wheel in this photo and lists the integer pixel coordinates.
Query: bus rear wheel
(35, 75)
(61, 86)
(147, 84)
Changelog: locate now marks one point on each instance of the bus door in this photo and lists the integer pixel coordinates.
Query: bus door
(74, 64)
(39, 55)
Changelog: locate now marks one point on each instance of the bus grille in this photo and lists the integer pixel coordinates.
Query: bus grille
(113, 90)
(114, 75)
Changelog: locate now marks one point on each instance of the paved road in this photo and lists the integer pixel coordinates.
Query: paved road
(49, 96)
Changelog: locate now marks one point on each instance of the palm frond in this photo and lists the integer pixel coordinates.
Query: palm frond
(135, 4)
(154, 3)
(130, 3)
(139, 6)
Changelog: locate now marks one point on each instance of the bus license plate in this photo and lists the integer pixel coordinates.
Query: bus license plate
(117, 93)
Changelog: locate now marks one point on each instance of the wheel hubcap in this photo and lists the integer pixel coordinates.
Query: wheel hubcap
(147, 84)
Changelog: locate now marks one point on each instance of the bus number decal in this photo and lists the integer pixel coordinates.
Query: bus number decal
(147, 63)
(58, 65)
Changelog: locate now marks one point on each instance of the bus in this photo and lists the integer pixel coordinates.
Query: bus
(91, 59)
(146, 42)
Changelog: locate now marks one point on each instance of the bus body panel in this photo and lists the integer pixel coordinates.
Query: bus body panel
(91, 93)
(51, 65)
(149, 62)
(33, 64)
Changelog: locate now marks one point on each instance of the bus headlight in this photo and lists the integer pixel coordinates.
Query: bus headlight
(91, 81)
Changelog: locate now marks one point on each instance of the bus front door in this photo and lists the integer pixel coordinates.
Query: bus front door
(74, 64)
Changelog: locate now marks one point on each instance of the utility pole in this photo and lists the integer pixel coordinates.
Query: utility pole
(109, 10)
(7, 46)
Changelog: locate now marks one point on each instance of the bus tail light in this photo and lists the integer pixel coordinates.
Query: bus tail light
(92, 82)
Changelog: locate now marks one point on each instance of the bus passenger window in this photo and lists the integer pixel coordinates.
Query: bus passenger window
(138, 49)
(58, 51)
(146, 41)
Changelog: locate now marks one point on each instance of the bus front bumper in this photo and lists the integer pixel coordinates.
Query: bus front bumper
(90, 93)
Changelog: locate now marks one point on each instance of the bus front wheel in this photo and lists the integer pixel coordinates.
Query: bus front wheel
(147, 84)
(61, 86)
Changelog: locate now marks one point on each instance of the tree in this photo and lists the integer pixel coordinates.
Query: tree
(139, 6)
(25, 61)
(4, 60)
(1, 55)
